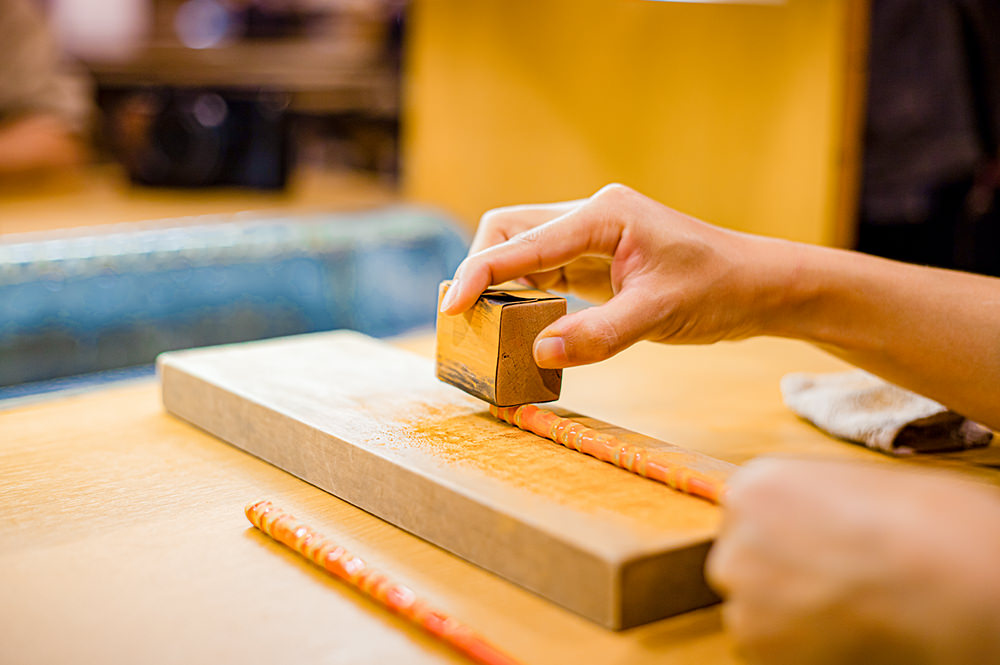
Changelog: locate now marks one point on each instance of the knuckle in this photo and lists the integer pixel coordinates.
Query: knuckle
(470, 268)
(490, 219)
(500, 218)
(530, 236)
(603, 339)
(530, 245)
(614, 192)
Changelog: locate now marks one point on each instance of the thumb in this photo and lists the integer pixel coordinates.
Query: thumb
(593, 334)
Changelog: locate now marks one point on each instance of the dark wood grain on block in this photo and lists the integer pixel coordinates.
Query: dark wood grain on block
(486, 351)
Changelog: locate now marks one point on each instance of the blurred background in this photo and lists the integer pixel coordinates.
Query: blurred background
(176, 173)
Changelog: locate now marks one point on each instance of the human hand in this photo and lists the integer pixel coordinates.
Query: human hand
(832, 562)
(661, 275)
(587, 277)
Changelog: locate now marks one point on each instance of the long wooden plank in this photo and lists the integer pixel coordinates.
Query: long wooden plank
(371, 424)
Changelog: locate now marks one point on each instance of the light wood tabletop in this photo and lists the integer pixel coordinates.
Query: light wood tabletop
(100, 195)
(125, 539)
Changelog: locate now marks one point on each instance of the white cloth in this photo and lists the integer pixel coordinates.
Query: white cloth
(863, 408)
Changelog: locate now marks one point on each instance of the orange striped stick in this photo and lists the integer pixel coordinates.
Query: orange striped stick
(607, 448)
(400, 599)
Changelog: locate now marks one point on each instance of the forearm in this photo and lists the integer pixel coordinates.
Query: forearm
(37, 142)
(936, 332)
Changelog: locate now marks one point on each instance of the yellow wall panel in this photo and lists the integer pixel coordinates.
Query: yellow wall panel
(731, 113)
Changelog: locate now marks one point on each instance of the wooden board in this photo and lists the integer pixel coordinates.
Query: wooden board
(371, 424)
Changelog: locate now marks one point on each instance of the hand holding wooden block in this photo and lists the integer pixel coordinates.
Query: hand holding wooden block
(486, 351)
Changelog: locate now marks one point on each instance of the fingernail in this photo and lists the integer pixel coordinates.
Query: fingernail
(449, 297)
(551, 352)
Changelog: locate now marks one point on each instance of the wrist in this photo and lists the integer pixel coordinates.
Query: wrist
(821, 295)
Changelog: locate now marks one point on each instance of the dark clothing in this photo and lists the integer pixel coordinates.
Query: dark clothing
(948, 236)
(933, 130)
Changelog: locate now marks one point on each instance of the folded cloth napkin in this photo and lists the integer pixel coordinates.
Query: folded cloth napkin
(859, 407)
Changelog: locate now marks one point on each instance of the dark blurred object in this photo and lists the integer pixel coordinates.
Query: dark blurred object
(206, 23)
(932, 142)
(204, 137)
(337, 61)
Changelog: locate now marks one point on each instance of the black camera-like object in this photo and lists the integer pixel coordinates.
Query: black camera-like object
(200, 137)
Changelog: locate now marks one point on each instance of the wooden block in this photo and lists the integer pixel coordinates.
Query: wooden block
(486, 351)
(371, 424)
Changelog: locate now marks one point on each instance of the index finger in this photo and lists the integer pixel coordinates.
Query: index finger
(501, 224)
(585, 230)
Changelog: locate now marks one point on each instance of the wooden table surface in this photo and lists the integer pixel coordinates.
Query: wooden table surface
(124, 538)
(101, 195)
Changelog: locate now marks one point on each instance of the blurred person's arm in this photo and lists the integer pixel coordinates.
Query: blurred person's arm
(38, 142)
(45, 105)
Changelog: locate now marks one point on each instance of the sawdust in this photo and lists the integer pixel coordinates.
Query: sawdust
(457, 434)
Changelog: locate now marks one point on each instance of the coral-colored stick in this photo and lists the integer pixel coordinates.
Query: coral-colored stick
(607, 448)
(400, 599)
